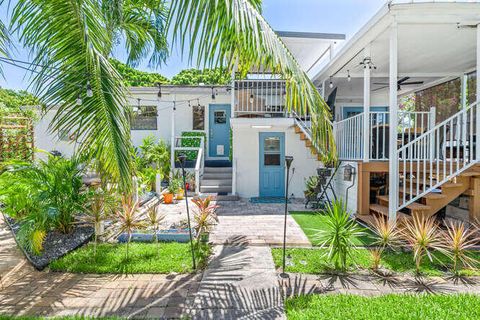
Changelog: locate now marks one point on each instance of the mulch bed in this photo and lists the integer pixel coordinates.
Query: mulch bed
(56, 244)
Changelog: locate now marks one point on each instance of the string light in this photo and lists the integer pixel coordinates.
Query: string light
(331, 83)
(79, 99)
(251, 98)
(349, 78)
(213, 94)
(159, 94)
(89, 89)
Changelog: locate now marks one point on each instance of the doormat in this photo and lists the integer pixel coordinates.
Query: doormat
(268, 200)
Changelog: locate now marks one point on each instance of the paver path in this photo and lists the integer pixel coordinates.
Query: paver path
(239, 283)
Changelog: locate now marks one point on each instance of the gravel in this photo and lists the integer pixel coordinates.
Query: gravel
(56, 244)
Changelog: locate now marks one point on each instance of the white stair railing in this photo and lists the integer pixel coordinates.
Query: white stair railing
(349, 138)
(436, 156)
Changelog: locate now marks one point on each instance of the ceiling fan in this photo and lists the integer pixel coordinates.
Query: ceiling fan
(400, 83)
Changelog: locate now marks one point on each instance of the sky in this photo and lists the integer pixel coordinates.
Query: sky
(330, 16)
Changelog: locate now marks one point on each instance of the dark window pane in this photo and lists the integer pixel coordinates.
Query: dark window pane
(272, 159)
(272, 144)
(198, 118)
(220, 117)
(144, 118)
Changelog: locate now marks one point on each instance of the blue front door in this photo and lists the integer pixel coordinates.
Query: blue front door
(272, 164)
(219, 130)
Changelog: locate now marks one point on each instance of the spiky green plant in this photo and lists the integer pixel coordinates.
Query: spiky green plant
(204, 216)
(387, 237)
(459, 239)
(154, 218)
(339, 235)
(424, 237)
(129, 219)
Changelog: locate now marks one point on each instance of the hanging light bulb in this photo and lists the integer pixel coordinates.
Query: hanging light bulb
(349, 78)
(251, 99)
(213, 94)
(198, 103)
(79, 100)
(331, 83)
(89, 89)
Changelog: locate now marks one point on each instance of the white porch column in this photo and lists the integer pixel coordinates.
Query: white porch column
(477, 113)
(393, 161)
(366, 105)
(172, 140)
(323, 89)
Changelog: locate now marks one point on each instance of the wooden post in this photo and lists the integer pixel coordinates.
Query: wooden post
(474, 203)
(393, 161)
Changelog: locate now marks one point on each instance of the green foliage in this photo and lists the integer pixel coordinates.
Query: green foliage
(385, 307)
(151, 158)
(144, 258)
(216, 76)
(52, 192)
(136, 78)
(311, 187)
(174, 185)
(11, 101)
(311, 222)
(339, 235)
(315, 261)
(193, 142)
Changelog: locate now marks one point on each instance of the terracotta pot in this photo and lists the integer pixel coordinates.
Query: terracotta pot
(168, 198)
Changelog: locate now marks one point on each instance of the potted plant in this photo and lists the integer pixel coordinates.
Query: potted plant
(205, 217)
(172, 189)
(312, 188)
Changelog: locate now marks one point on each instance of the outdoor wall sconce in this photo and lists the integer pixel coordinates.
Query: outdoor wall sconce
(348, 172)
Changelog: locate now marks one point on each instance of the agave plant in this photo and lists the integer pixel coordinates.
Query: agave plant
(204, 216)
(459, 239)
(339, 235)
(423, 236)
(154, 219)
(129, 219)
(388, 237)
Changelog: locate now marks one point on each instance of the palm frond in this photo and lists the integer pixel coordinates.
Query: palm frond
(69, 38)
(4, 40)
(222, 32)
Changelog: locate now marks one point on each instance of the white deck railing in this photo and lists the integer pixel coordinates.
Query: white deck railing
(199, 161)
(436, 156)
(259, 97)
(350, 137)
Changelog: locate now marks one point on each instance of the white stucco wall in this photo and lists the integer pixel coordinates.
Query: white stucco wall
(183, 115)
(246, 155)
(340, 186)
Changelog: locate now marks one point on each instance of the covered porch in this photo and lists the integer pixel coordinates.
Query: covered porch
(405, 102)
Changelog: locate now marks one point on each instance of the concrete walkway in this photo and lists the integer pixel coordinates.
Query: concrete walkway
(239, 283)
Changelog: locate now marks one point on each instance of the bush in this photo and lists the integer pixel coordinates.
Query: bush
(193, 143)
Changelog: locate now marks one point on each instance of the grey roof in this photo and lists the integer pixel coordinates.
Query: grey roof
(311, 35)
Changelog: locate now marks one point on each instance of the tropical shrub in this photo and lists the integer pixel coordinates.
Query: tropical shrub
(152, 158)
(339, 235)
(423, 236)
(174, 185)
(204, 216)
(153, 219)
(459, 239)
(388, 237)
(311, 187)
(129, 219)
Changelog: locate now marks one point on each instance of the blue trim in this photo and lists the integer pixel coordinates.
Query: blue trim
(219, 133)
(346, 110)
(272, 177)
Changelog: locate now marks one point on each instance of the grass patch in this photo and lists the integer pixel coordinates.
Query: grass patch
(143, 258)
(311, 222)
(314, 261)
(387, 307)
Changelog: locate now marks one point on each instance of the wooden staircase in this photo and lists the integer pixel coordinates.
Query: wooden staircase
(307, 141)
(432, 202)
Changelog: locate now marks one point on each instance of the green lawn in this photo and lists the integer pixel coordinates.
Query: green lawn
(311, 222)
(143, 258)
(314, 261)
(388, 307)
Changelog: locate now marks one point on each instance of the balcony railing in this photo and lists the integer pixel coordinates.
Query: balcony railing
(259, 98)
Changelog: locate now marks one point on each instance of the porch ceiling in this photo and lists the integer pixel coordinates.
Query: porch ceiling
(431, 45)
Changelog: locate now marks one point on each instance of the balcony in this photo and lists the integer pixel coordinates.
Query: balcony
(259, 98)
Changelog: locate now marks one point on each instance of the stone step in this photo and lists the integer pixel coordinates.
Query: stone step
(217, 170)
(216, 197)
(217, 176)
(216, 189)
(216, 182)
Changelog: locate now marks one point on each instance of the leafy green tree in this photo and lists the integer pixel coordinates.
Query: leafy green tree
(136, 78)
(11, 101)
(205, 76)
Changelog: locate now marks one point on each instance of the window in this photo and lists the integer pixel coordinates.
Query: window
(198, 118)
(271, 151)
(144, 118)
(220, 117)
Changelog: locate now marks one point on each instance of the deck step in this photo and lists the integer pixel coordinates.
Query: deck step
(377, 208)
(430, 196)
(413, 206)
(297, 129)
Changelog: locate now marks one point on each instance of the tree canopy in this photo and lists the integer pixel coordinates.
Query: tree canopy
(136, 78)
(205, 76)
(11, 101)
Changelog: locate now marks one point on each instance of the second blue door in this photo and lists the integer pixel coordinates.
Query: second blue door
(219, 127)
(272, 164)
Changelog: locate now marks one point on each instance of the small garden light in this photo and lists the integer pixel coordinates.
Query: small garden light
(182, 158)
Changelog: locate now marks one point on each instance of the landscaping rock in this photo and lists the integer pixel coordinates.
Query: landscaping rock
(56, 244)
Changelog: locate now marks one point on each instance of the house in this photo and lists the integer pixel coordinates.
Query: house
(403, 97)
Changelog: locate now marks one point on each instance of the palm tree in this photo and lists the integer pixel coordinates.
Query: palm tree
(71, 40)
(4, 40)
